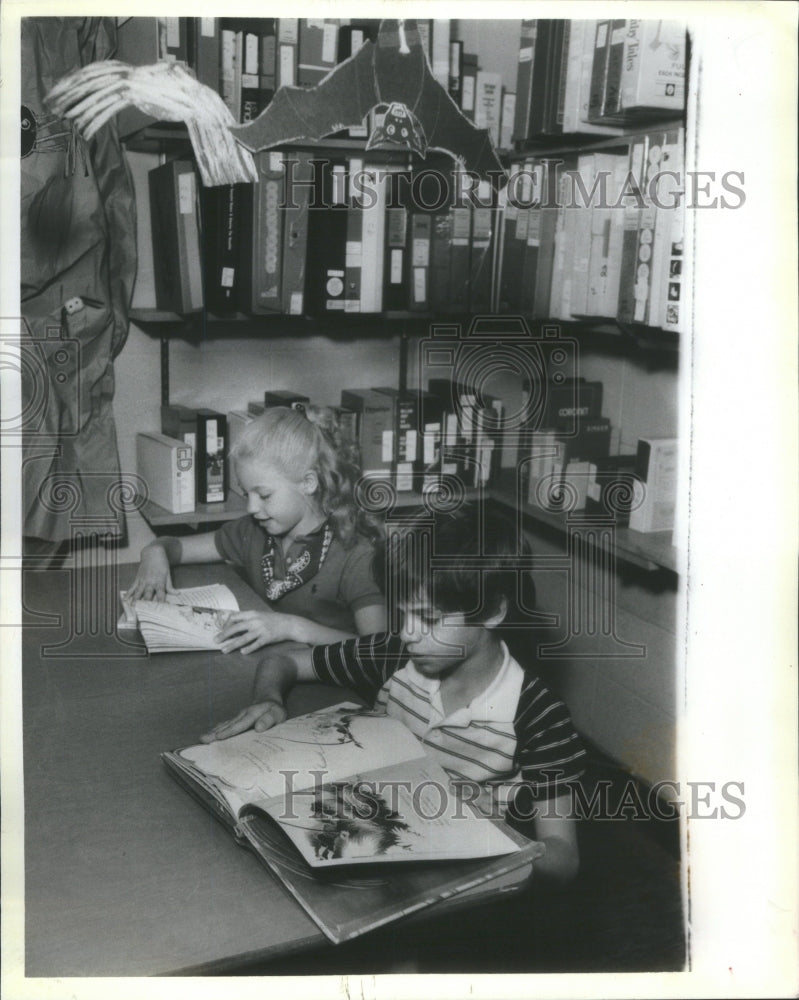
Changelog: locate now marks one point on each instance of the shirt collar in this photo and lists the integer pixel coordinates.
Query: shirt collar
(497, 703)
(309, 534)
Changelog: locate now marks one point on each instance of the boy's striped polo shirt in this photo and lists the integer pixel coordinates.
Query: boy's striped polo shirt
(515, 732)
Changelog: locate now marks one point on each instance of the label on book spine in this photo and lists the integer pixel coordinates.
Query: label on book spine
(396, 267)
(186, 197)
(419, 284)
(172, 32)
(329, 42)
(468, 93)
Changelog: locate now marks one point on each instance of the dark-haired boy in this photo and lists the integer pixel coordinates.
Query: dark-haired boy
(449, 677)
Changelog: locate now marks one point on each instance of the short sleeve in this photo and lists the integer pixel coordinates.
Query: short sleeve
(550, 755)
(231, 540)
(362, 664)
(358, 589)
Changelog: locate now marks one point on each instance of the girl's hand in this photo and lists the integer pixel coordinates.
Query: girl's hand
(250, 630)
(153, 579)
(259, 717)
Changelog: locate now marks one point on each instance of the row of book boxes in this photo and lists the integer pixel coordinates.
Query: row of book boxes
(637, 490)
(595, 76)
(418, 437)
(234, 247)
(246, 59)
(449, 429)
(185, 464)
(575, 463)
(573, 75)
(424, 434)
(269, 248)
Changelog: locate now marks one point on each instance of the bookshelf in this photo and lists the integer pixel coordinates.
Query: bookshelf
(579, 142)
(608, 336)
(169, 138)
(204, 514)
(603, 334)
(651, 552)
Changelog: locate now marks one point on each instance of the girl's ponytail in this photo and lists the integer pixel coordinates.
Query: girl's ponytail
(338, 470)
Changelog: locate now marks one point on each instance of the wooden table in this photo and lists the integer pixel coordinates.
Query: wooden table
(124, 874)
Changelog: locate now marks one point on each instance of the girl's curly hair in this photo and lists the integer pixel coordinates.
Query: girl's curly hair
(297, 441)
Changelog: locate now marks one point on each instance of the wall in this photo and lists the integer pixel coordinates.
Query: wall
(617, 671)
(627, 706)
(497, 49)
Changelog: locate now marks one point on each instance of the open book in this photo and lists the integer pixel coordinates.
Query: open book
(187, 619)
(321, 796)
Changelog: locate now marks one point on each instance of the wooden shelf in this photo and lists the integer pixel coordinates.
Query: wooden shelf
(653, 549)
(647, 551)
(163, 137)
(235, 507)
(650, 551)
(587, 142)
(601, 332)
(204, 324)
(205, 513)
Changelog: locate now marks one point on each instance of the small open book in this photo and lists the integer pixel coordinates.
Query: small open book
(320, 796)
(186, 620)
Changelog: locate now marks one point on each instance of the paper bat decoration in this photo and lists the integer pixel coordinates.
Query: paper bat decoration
(392, 73)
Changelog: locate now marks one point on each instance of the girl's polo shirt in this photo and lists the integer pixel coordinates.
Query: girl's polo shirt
(342, 586)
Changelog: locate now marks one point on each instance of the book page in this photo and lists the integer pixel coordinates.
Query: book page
(404, 812)
(302, 753)
(215, 595)
(176, 627)
(346, 903)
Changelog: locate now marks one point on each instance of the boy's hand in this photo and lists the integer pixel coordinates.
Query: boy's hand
(259, 717)
(153, 579)
(250, 630)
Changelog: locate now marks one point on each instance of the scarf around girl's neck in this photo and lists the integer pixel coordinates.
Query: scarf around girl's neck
(301, 567)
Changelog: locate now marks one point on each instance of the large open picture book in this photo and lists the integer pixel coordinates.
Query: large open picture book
(187, 619)
(357, 822)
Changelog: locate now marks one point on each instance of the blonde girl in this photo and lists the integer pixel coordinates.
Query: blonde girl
(304, 546)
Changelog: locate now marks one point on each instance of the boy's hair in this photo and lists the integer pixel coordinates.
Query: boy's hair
(299, 441)
(470, 561)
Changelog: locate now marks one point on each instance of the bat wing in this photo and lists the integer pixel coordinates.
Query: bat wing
(341, 100)
(95, 93)
(447, 129)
